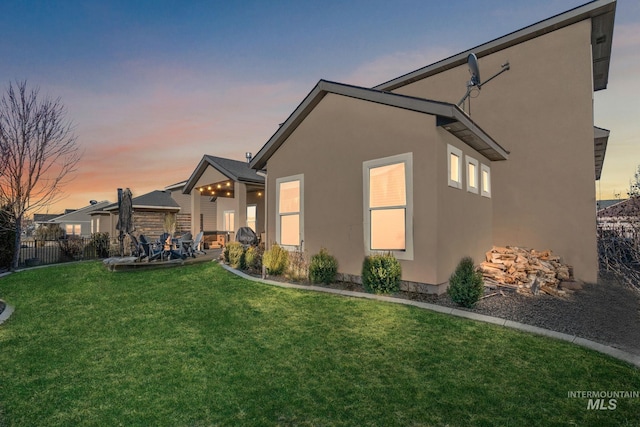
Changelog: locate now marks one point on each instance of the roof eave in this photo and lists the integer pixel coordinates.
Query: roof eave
(601, 13)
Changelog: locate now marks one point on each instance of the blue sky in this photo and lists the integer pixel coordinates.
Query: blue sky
(151, 86)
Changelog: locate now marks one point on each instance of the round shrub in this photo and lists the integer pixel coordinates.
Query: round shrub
(236, 255)
(323, 267)
(381, 274)
(466, 284)
(275, 260)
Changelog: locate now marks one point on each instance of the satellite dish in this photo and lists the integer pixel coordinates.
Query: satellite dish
(474, 70)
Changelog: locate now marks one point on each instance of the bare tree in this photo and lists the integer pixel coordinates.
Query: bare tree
(39, 149)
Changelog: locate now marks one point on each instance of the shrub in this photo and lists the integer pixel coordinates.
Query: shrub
(49, 232)
(275, 260)
(465, 284)
(100, 242)
(381, 274)
(71, 248)
(253, 257)
(236, 255)
(323, 267)
(297, 267)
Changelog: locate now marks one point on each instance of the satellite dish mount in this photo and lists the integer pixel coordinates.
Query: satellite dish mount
(474, 69)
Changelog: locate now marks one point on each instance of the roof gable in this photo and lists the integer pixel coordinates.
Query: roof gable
(157, 199)
(601, 13)
(449, 116)
(75, 214)
(233, 169)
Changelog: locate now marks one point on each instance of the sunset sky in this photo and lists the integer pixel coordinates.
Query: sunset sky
(151, 86)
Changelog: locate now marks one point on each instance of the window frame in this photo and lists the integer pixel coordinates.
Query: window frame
(471, 161)
(487, 169)
(458, 153)
(407, 159)
(225, 223)
(300, 212)
(255, 218)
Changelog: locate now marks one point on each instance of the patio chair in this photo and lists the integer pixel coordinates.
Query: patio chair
(166, 241)
(197, 243)
(186, 244)
(136, 248)
(152, 250)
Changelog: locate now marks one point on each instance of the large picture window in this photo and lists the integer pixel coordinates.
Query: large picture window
(229, 220)
(388, 205)
(289, 201)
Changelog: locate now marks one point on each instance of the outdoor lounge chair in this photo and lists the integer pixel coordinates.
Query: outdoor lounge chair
(166, 241)
(152, 250)
(186, 244)
(197, 243)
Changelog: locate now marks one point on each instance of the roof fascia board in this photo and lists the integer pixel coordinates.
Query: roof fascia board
(580, 13)
(323, 87)
(205, 162)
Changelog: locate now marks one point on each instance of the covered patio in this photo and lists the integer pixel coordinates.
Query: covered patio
(225, 195)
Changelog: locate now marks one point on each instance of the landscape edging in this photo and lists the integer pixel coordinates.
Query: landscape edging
(592, 345)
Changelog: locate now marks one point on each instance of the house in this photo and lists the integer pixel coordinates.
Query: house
(77, 222)
(401, 168)
(622, 217)
(153, 214)
(224, 195)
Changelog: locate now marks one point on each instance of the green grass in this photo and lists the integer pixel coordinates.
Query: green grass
(197, 346)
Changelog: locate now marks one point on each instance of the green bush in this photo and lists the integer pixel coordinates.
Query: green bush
(49, 232)
(323, 267)
(71, 248)
(275, 260)
(465, 284)
(253, 257)
(381, 274)
(236, 255)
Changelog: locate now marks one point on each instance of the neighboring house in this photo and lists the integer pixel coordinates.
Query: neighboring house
(224, 195)
(151, 213)
(40, 219)
(623, 216)
(603, 204)
(77, 222)
(400, 168)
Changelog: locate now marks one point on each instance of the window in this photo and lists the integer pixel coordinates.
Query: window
(485, 178)
(229, 220)
(454, 156)
(472, 175)
(72, 229)
(290, 216)
(251, 217)
(388, 205)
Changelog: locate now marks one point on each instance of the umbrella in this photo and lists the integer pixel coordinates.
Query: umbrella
(125, 216)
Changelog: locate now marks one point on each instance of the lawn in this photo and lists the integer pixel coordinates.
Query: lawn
(198, 346)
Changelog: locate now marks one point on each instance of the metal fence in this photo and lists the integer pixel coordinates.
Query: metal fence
(42, 252)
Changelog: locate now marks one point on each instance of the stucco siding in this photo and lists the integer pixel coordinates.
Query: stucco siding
(541, 111)
(329, 149)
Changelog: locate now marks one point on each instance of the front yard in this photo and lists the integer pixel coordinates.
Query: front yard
(196, 345)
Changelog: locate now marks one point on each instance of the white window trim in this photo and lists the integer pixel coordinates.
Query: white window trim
(485, 168)
(255, 219)
(407, 158)
(224, 220)
(472, 161)
(279, 181)
(453, 150)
